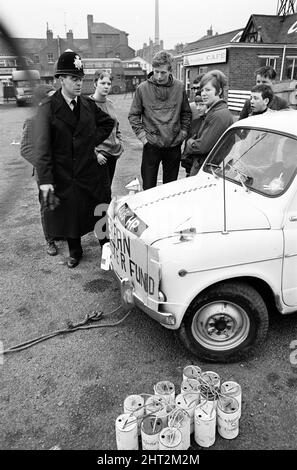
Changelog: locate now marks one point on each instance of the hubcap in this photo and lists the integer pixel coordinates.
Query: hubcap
(220, 326)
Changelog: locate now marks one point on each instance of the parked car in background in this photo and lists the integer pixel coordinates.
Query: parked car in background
(24, 82)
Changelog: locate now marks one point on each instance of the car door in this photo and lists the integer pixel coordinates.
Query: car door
(289, 278)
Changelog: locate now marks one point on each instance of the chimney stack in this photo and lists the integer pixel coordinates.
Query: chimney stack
(69, 36)
(210, 32)
(49, 34)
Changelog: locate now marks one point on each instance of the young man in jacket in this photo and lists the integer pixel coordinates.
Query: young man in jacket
(261, 97)
(160, 116)
(265, 76)
(69, 126)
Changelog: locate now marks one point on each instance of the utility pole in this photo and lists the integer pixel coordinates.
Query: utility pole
(157, 37)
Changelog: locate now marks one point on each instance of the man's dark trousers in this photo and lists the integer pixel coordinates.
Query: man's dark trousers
(151, 159)
(75, 248)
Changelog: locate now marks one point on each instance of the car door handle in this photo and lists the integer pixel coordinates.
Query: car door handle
(293, 218)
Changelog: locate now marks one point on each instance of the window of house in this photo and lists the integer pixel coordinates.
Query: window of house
(268, 60)
(2, 63)
(50, 58)
(291, 68)
(11, 63)
(36, 59)
(252, 34)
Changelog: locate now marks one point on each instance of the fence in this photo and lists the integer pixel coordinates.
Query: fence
(236, 99)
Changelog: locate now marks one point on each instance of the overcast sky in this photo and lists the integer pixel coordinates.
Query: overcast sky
(180, 20)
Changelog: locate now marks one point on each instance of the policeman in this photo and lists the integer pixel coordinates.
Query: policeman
(72, 183)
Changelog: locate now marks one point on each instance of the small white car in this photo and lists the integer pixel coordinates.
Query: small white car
(209, 256)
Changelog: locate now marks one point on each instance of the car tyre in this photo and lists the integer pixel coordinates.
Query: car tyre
(225, 323)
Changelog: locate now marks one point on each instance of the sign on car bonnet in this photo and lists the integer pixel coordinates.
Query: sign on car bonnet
(130, 220)
(132, 258)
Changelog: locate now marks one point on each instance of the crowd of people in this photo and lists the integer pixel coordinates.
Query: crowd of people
(73, 141)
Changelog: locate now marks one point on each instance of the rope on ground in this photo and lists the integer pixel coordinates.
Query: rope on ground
(71, 327)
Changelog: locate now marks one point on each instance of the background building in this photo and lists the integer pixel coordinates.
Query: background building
(265, 40)
(41, 54)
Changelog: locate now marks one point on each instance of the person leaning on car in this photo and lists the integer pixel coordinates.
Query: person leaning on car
(265, 76)
(261, 97)
(160, 116)
(217, 119)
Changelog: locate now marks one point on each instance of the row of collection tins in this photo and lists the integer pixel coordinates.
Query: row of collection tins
(165, 421)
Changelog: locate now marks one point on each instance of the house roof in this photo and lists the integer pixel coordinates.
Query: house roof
(33, 45)
(274, 29)
(210, 41)
(103, 28)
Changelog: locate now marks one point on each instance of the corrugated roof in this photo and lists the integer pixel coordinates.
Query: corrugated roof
(274, 29)
(211, 41)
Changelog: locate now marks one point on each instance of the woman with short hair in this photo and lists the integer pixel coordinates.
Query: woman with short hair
(111, 149)
(217, 118)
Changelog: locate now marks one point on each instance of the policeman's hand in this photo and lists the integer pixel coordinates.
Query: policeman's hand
(184, 134)
(101, 159)
(52, 200)
(45, 188)
(190, 141)
(144, 140)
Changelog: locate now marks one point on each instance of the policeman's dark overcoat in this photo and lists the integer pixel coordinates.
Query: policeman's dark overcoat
(65, 158)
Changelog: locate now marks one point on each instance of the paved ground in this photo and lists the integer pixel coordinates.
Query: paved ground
(69, 390)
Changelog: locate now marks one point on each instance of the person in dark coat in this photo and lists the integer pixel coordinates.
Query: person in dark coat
(217, 119)
(261, 97)
(265, 76)
(72, 183)
(27, 151)
(198, 117)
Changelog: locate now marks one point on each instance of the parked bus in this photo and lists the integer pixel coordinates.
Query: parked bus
(113, 66)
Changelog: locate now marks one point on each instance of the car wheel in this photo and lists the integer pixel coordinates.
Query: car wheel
(225, 323)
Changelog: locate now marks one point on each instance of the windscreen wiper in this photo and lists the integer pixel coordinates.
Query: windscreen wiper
(243, 178)
(212, 166)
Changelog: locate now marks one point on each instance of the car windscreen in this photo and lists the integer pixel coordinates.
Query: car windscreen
(259, 160)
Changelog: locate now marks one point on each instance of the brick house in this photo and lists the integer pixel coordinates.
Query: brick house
(102, 41)
(265, 40)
